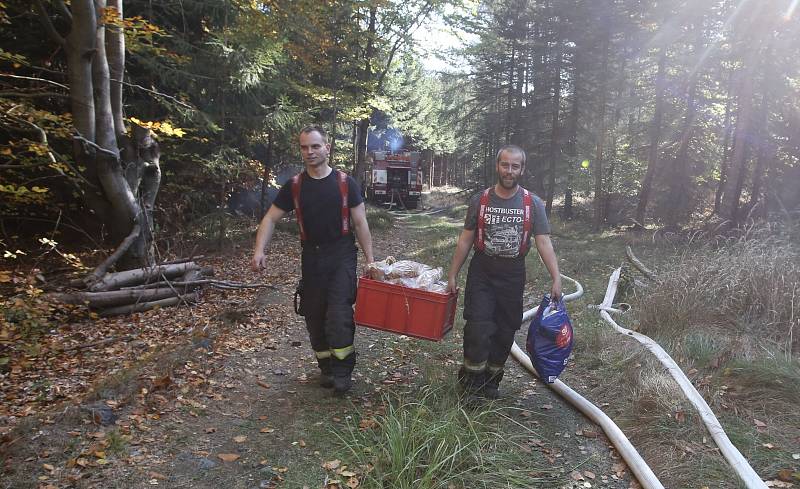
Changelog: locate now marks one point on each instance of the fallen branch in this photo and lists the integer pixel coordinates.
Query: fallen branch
(220, 284)
(729, 451)
(93, 344)
(138, 276)
(99, 300)
(182, 260)
(101, 270)
(639, 265)
(146, 306)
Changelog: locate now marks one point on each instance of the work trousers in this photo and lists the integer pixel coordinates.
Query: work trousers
(329, 291)
(492, 310)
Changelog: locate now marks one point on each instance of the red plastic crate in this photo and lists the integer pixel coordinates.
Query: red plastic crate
(412, 312)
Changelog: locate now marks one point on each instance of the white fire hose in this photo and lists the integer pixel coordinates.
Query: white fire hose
(737, 461)
(638, 466)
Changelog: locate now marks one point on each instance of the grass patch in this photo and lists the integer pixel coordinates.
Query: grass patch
(703, 348)
(775, 378)
(427, 440)
(117, 443)
(379, 219)
(749, 287)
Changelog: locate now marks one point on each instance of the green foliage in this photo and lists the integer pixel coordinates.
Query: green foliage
(25, 313)
(429, 440)
(415, 107)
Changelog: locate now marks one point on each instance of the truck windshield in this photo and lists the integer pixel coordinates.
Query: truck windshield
(397, 176)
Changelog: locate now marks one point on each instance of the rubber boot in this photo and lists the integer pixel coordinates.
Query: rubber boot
(472, 383)
(325, 372)
(491, 389)
(342, 371)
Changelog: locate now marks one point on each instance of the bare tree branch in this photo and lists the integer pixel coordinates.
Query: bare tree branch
(221, 284)
(51, 152)
(155, 92)
(62, 7)
(33, 94)
(48, 24)
(639, 265)
(58, 223)
(32, 78)
(85, 141)
(101, 270)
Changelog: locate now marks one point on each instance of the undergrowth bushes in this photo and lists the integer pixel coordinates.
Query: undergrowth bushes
(750, 286)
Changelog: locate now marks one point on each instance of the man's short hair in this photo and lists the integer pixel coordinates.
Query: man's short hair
(315, 128)
(511, 148)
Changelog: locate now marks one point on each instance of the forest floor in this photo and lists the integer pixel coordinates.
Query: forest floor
(224, 394)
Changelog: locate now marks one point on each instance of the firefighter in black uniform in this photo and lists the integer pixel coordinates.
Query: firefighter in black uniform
(499, 225)
(330, 211)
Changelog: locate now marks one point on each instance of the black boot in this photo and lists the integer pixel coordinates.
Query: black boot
(472, 384)
(491, 389)
(342, 371)
(325, 372)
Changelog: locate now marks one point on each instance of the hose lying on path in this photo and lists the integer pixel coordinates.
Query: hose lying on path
(638, 466)
(729, 451)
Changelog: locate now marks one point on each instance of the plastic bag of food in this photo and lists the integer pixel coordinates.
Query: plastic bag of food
(406, 269)
(439, 287)
(429, 277)
(410, 282)
(378, 270)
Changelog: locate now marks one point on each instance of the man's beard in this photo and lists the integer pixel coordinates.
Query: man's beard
(514, 181)
(314, 162)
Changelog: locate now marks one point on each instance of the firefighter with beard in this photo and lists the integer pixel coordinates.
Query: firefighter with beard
(329, 211)
(500, 223)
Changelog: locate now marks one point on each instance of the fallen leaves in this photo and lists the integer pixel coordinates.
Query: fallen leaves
(228, 457)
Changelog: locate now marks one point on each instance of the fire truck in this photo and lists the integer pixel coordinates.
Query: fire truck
(394, 178)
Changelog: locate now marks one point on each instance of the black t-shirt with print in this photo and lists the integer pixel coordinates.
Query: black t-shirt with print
(321, 202)
(504, 222)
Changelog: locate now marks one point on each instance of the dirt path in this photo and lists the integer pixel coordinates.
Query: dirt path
(239, 406)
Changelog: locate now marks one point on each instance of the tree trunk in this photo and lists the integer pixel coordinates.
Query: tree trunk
(555, 145)
(763, 153)
(572, 138)
(92, 62)
(737, 169)
(723, 167)
(655, 138)
(361, 151)
(751, 44)
(80, 52)
(115, 45)
(598, 163)
(266, 176)
(678, 203)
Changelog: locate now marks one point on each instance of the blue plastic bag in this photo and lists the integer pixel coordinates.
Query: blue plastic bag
(550, 339)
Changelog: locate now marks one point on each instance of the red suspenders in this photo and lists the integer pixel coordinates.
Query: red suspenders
(480, 242)
(527, 222)
(297, 180)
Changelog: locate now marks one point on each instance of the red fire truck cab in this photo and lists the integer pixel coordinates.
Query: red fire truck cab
(394, 177)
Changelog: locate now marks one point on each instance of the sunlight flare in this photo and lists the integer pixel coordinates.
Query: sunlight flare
(790, 10)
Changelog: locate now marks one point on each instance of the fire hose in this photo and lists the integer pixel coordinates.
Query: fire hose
(638, 466)
(737, 461)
